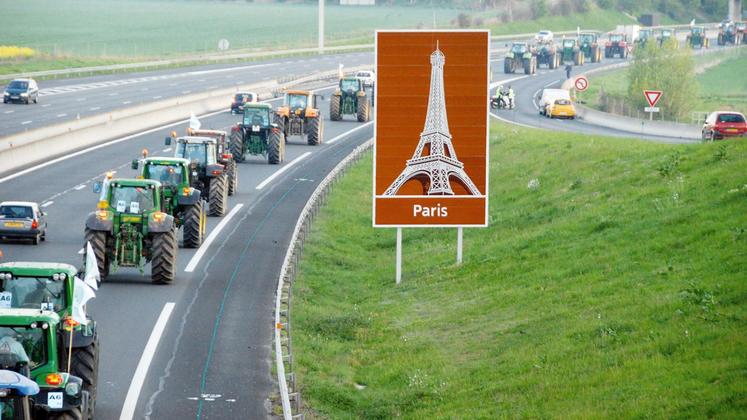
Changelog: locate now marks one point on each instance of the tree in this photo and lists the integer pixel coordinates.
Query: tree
(668, 69)
(539, 8)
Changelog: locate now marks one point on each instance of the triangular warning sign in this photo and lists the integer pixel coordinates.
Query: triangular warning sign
(652, 96)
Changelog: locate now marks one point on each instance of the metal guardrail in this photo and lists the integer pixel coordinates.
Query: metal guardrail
(284, 362)
(186, 59)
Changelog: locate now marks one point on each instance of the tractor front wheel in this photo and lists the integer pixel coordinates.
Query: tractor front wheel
(237, 146)
(97, 238)
(193, 229)
(85, 365)
(334, 108)
(275, 147)
(217, 196)
(314, 136)
(163, 263)
(507, 67)
(73, 414)
(363, 109)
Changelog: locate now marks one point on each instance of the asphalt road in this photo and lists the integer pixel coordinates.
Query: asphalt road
(68, 99)
(213, 359)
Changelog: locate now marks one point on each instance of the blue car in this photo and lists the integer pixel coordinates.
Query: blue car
(21, 90)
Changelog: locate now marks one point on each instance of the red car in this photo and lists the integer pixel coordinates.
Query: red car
(722, 124)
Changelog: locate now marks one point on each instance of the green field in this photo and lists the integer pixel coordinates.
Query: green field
(616, 289)
(721, 87)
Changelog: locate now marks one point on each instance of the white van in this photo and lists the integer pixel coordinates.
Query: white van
(548, 98)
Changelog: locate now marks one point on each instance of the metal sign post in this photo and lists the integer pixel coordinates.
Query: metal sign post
(399, 256)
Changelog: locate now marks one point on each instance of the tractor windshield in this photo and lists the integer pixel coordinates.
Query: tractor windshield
(587, 38)
(41, 293)
(616, 38)
(195, 152)
(130, 199)
(257, 116)
(349, 85)
(168, 175)
(295, 100)
(23, 345)
(643, 34)
(666, 33)
(697, 30)
(568, 43)
(519, 49)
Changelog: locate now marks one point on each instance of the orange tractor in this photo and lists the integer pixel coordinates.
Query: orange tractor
(299, 115)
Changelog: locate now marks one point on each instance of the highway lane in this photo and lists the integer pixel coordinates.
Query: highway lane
(68, 99)
(217, 340)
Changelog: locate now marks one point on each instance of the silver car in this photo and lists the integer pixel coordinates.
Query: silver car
(22, 220)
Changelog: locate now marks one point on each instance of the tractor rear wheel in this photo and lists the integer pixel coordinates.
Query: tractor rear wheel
(163, 263)
(362, 109)
(551, 62)
(237, 146)
(314, 136)
(85, 365)
(275, 147)
(217, 196)
(233, 177)
(97, 238)
(527, 66)
(73, 414)
(334, 108)
(507, 67)
(192, 230)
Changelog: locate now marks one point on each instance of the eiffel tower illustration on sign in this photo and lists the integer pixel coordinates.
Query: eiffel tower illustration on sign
(435, 167)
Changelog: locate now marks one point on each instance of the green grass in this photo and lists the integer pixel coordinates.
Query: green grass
(720, 87)
(603, 20)
(615, 289)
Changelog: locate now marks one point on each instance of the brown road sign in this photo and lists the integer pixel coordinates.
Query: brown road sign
(431, 142)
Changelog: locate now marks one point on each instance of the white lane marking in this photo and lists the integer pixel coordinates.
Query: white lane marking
(138, 379)
(510, 122)
(360, 127)
(47, 204)
(95, 108)
(168, 149)
(552, 83)
(534, 99)
(157, 97)
(79, 187)
(46, 105)
(184, 92)
(82, 251)
(283, 169)
(80, 99)
(173, 84)
(214, 234)
(109, 143)
(126, 102)
(8, 112)
(61, 115)
(26, 122)
(114, 94)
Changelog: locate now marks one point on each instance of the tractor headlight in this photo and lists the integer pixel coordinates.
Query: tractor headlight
(6, 94)
(72, 388)
(63, 276)
(56, 276)
(102, 214)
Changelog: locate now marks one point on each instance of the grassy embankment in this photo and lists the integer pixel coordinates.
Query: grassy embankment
(721, 87)
(614, 289)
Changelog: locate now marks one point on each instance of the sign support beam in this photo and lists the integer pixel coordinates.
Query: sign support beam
(460, 232)
(399, 256)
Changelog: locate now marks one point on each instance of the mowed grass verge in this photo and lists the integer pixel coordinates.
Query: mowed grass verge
(616, 288)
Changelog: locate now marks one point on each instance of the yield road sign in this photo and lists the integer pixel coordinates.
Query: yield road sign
(581, 83)
(652, 96)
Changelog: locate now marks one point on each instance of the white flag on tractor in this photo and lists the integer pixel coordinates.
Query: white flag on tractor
(82, 293)
(92, 276)
(194, 122)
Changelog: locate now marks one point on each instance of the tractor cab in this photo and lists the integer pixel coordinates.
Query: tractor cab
(588, 38)
(588, 44)
(569, 43)
(172, 173)
(643, 36)
(258, 135)
(133, 197)
(31, 346)
(299, 116)
(40, 286)
(257, 116)
(206, 172)
(617, 38)
(519, 48)
(664, 35)
(350, 98)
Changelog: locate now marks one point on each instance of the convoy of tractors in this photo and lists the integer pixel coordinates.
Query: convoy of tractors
(49, 352)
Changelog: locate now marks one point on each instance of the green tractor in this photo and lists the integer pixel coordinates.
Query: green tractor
(729, 34)
(51, 287)
(547, 54)
(571, 52)
(206, 174)
(224, 155)
(667, 35)
(643, 36)
(590, 46)
(697, 37)
(130, 229)
(256, 135)
(350, 98)
(32, 344)
(179, 199)
(519, 57)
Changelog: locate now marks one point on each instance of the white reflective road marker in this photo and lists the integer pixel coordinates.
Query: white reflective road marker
(26, 122)
(214, 234)
(47, 204)
(80, 187)
(138, 379)
(283, 169)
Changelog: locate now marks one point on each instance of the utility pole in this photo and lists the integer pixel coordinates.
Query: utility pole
(321, 26)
